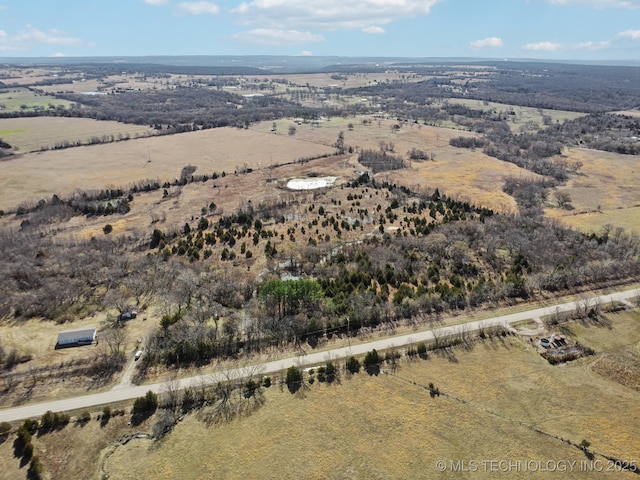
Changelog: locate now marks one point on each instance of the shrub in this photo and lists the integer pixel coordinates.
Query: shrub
(30, 425)
(5, 427)
(372, 362)
(108, 228)
(250, 388)
(353, 365)
(23, 437)
(331, 372)
(421, 348)
(35, 469)
(433, 391)
(27, 451)
(146, 404)
(294, 379)
(266, 382)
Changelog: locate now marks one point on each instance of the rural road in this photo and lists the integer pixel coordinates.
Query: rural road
(130, 392)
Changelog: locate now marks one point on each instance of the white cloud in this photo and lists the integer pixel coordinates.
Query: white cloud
(593, 46)
(305, 53)
(543, 47)
(624, 4)
(374, 30)
(491, 42)
(156, 2)
(199, 8)
(330, 14)
(629, 34)
(267, 36)
(32, 37)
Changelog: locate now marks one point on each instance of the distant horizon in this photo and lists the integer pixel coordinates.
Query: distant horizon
(300, 60)
(540, 30)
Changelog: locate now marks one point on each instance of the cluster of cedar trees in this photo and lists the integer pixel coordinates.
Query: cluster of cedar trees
(465, 259)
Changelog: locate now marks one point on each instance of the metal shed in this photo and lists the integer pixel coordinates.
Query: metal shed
(69, 338)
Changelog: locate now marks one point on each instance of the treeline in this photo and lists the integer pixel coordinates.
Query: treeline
(581, 88)
(181, 109)
(380, 161)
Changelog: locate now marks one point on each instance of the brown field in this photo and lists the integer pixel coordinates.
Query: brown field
(607, 191)
(526, 119)
(464, 174)
(384, 427)
(33, 134)
(124, 163)
(497, 396)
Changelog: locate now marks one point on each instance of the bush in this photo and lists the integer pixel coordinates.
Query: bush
(266, 382)
(146, 404)
(84, 417)
(372, 362)
(353, 365)
(106, 415)
(421, 348)
(433, 391)
(5, 427)
(108, 228)
(250, 388)
(23, 438)
(331, 372)
(35, 469)
(30, 425)
(27, 451)
(294, 379)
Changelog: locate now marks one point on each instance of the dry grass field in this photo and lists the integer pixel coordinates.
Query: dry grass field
(22, 99)
(526, 119)
(387, 427)
(122, 164)
(468, 175)
(497, 397)
(607, 191)
(33, 134)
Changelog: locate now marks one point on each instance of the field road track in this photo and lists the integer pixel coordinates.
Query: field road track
(130, 392)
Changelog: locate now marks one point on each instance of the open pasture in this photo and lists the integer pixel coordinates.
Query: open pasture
(25, 100)
(526, 119)
(391, 428)
(33, 134)
(462, 173)
(606, 191)
(465, 174)
(40, 175)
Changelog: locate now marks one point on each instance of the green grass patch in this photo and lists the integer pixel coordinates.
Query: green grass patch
(14, 131)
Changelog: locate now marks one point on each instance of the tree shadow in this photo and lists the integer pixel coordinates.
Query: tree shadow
(373, 370)
(139, 417)
(293, 387)
(448, 353)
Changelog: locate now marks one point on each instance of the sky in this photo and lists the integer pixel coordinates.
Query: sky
(588, 30)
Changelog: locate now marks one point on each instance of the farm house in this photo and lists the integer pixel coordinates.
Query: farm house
(73, 338)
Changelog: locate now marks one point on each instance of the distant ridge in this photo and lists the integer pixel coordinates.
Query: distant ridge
(256, 64)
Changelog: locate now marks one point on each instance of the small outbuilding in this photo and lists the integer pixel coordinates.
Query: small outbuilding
(74, 338)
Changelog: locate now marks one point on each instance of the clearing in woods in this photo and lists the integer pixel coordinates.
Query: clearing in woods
(606, 191)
